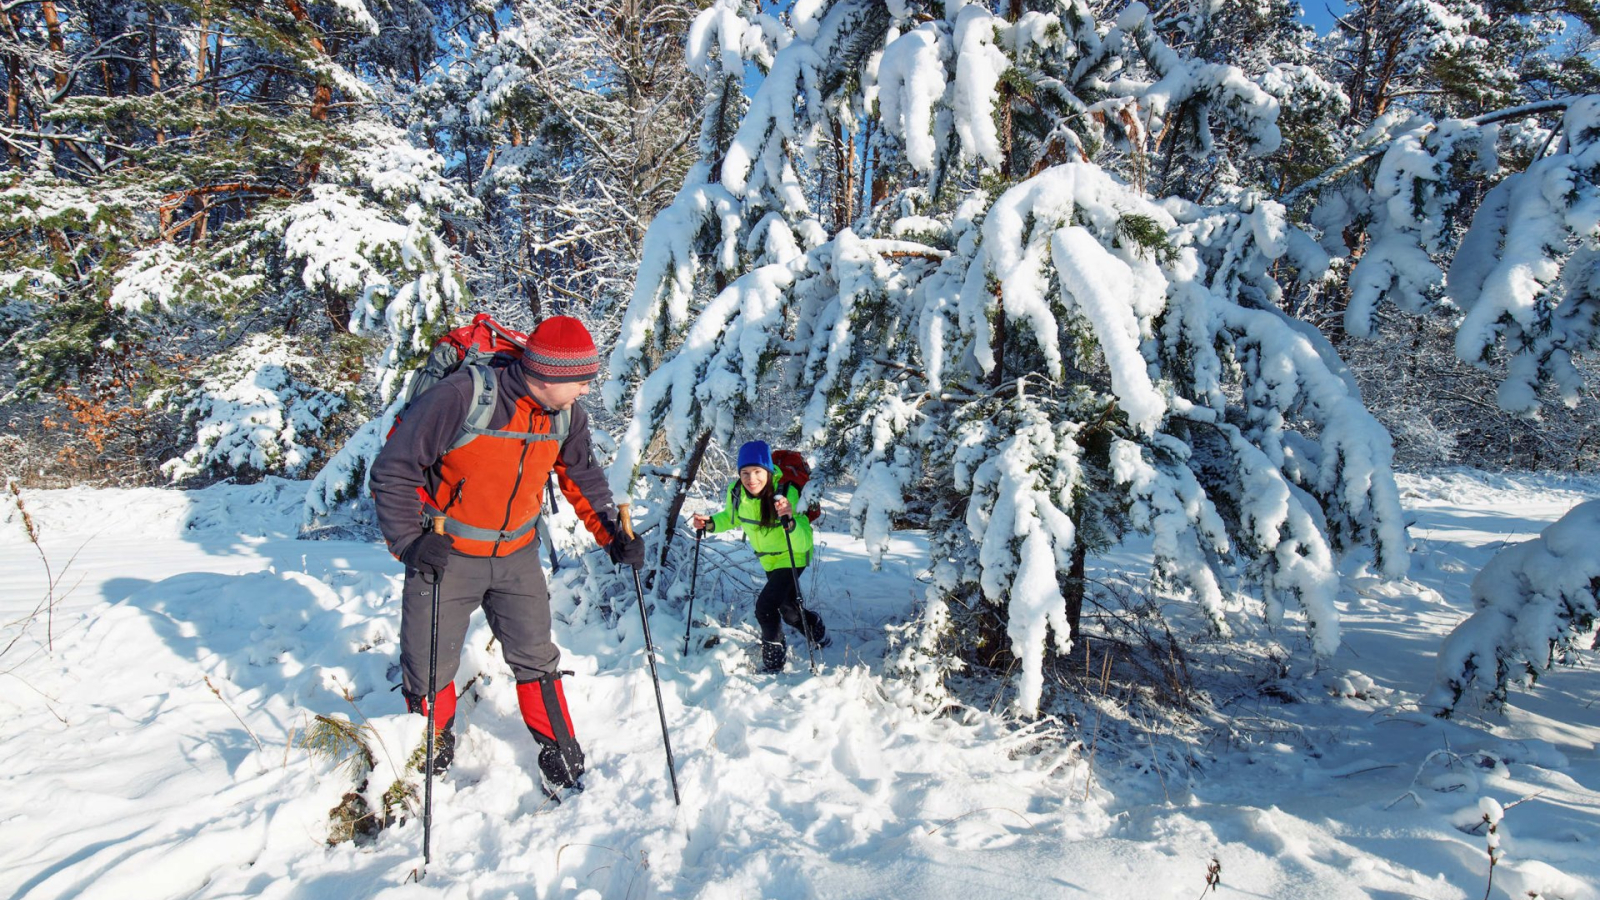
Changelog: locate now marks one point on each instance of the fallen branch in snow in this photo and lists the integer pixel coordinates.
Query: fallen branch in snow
(562, 849)
(1368, 769)
(47, 698)
(1451, 760)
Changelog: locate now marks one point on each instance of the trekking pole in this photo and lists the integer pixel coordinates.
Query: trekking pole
(433, 696)
(805, 614)
(650, 654)
(694, 574)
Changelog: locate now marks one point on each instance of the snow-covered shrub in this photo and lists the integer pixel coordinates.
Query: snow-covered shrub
(1538, 603)
(1015, 327)
(256, 410)
(344, 478)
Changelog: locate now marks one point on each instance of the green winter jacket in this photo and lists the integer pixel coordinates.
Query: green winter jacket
(769, 543)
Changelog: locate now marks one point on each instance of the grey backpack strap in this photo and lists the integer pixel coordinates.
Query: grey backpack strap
(480, 409)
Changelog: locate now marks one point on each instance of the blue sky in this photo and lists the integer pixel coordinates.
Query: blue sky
(1317, 13)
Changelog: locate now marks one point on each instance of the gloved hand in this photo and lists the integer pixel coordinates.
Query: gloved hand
(428, 555)
(624, 549)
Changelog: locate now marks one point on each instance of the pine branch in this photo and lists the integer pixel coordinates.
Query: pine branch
(1371, 151)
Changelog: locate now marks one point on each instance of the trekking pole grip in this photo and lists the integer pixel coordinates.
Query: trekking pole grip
(438, 524)
(624, 513)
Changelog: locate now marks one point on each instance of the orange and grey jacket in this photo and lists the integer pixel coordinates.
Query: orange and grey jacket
(491, 488)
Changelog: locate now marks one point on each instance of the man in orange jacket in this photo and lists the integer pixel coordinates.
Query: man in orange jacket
(488, 485)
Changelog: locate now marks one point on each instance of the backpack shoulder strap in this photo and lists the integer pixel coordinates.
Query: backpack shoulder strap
(485, 395)
(561, 425)
(480, 409)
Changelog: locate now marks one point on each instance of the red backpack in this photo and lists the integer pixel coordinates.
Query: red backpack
(485, 344)
(794, 470)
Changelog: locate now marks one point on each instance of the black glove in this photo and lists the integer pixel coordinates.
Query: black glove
(624, 549)
(428, 555)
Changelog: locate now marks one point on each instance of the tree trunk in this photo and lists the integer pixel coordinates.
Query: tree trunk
(999, 373)
(680, 493)
(321, 94)
(203, 44)
(216, 68)
(13, 106)
(155, 87)
(1356, 87)
(1391, 61)
(844, 185)
(1075, 588)
(861, 185)
(992, 649)
(52, 26)
(338, 311)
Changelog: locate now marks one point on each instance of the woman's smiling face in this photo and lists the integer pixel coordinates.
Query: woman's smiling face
(754, 478)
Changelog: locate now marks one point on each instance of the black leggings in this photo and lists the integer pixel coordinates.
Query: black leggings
(777, 603)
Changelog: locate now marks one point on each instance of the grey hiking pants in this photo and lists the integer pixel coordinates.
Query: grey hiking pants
(512, 592)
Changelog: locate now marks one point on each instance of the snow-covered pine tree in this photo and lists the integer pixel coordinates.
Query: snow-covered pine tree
(1538, 604)
(1454, 107)
(1453, 56)
(566, 123)
(209, 189)
(1010, 328)
(1490, 220)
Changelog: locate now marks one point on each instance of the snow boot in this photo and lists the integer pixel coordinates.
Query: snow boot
(444, 720)
(544, 711)
(444, 750)
(773, 655)
(819, 632)
(558, 769)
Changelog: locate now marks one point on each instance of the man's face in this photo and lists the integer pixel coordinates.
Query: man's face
(556, 395)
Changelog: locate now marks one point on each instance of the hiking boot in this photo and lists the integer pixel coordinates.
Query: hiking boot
(444, 742)
(820, 638)
(444, 750)
(773, 655)
(557, 769)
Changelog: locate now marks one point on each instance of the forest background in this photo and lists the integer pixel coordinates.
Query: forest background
(195, 191)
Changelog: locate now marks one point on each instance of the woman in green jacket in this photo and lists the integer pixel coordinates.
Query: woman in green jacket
(767, 519)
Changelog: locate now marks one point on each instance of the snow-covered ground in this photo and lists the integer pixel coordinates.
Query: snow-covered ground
(152, 751)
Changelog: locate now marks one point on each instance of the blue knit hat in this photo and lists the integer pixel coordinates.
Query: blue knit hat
(755, 453)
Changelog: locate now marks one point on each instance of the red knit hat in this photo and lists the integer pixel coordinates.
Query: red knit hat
(560, 349)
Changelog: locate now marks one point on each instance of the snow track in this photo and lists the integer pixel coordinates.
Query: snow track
(149, 755)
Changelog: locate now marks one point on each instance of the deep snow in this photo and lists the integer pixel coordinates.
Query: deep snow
(126, 776)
